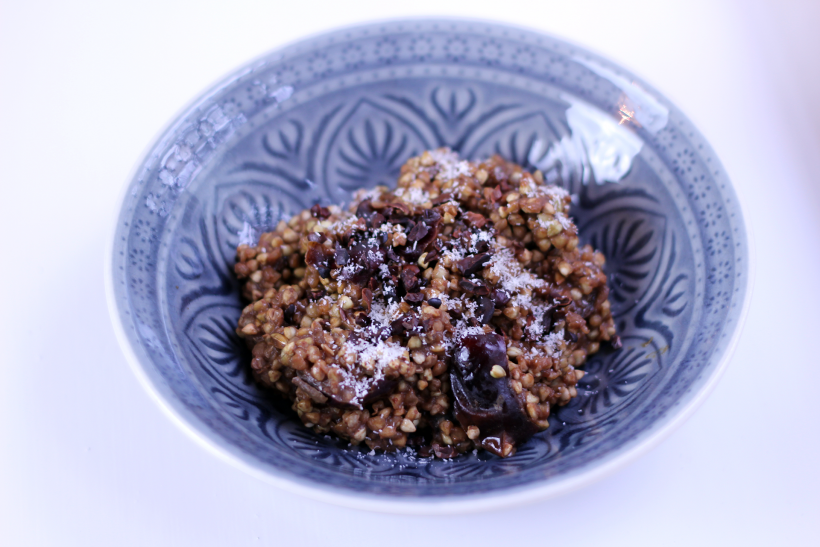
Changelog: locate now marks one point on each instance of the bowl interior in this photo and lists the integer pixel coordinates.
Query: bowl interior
(320, 119)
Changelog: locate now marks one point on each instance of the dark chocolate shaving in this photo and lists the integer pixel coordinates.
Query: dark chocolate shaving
(418, 232)
(409, 277)
(367, 298)
(319, 212)
(290, 311)
(500, 298)
(470, 265)
(476, 220)
(486, 307)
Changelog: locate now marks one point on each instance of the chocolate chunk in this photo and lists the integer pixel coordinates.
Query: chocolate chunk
(482, 246)
(409, 277)
(290, 311)
(477, 220)
(317, 237)
(410, 322)
(546, 319)
(475, 287)
(321, 258)
(446, 196)
(469, 265)
(485, 400)
(319, 212)
(367, 298)
(364, 210)
(445, 452)
(342, 256)
(397, 328)
(365, 258)
(414, 298)
(418, 232)
(562, 301)
(486, 307)
(500, 298)
(280, 264)
(468, 286)
(393, 257)
(435, 302)
(376, 221)
(376, 388)
(312, 392)
(399, 206)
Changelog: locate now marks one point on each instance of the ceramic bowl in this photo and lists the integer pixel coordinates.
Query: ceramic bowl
(317, 120)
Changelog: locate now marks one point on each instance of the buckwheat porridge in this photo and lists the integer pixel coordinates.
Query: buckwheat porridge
(450, 314)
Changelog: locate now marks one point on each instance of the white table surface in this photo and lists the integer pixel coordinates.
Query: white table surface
(86, 458)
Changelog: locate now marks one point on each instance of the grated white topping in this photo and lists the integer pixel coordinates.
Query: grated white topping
(341, 226)
(374, 355)
(363, 195)
(549, 344)
(513, 278)
(414, 196)
(450, 165)
(373, 358)
(391, 228)
(566, 223)
(551, 191)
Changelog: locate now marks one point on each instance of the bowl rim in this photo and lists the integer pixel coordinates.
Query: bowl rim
(470, 503)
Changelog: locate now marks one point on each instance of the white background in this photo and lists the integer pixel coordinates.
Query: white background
(86, 458)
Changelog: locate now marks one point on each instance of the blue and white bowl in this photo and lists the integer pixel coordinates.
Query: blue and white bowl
(319, 119)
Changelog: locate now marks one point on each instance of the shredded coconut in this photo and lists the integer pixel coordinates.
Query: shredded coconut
(373, 357)
(382, 313)
(566, 223)
(449, 164)
(550, 345)
(342, 225)
(388, 227)
(415, 196)
(551, 191)
(363, 195)
(512, 277)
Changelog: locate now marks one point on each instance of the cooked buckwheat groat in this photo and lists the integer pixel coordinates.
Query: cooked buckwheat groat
(449, 314)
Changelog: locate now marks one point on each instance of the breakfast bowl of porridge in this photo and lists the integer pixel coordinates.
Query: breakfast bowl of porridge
(429, 266)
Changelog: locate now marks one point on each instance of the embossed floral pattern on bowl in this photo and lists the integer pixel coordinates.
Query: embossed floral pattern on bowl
(316, 121)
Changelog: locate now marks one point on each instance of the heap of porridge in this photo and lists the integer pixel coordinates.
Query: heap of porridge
(449, 314)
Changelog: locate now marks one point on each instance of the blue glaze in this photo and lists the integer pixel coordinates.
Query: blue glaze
(317, 120)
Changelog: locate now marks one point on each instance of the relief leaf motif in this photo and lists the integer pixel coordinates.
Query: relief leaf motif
(632, 241)
(613, 380)
(673, 299)
(189, 263)
(247, 209)
(456, 107)
(289, 136)
(368, 147)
